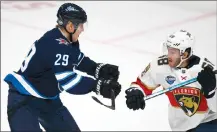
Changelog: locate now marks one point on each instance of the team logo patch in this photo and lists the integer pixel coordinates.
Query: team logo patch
(170, 79)
(62, 41)
(188, 99)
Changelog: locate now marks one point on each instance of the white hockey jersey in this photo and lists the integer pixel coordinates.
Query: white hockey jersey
(188, 107)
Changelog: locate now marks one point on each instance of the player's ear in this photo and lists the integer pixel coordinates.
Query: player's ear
(70, 27)
(185, 55)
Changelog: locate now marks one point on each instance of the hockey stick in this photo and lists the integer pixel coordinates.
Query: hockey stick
(112, 106)
(172, 88)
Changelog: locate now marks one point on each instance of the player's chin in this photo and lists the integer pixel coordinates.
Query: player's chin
(75, 39)
(172, 64)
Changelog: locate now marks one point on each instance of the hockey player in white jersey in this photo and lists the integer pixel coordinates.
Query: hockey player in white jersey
(192, 107)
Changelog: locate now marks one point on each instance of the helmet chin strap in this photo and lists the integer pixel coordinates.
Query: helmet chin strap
(70, 34)
(182, 60)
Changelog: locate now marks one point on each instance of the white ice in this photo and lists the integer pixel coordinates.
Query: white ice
(128, 34)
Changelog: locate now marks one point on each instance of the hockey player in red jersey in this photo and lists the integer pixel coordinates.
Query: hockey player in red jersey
(192, 107)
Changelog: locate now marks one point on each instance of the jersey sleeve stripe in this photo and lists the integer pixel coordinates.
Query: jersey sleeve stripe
(80, 58)
(63, 75)
(72, 83)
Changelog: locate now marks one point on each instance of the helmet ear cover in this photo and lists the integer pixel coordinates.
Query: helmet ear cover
(187, 51)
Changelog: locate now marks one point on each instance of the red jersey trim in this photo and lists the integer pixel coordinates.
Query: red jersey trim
(146, 90)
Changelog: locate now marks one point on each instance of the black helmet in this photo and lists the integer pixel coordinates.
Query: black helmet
(71, 12)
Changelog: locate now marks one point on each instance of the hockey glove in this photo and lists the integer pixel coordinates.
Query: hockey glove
(105, 87)
(107, 71)
(134, 98)
(207, 80)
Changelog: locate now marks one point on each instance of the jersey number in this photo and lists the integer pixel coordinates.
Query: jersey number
(163, 60)
(28, 58)
(64, 58)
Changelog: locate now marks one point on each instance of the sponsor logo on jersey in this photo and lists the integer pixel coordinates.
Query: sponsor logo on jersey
(188, 98)
(62, 41)
(170, 79)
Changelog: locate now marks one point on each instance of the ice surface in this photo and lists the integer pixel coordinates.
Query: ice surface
(128, 34)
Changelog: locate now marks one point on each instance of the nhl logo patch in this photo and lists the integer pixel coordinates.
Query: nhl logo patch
(170, 79)
(188, 99)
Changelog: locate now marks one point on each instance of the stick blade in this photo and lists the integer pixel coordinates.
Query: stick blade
(112, 106)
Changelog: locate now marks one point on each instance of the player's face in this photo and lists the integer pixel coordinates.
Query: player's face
(174, 57)
(79, 30)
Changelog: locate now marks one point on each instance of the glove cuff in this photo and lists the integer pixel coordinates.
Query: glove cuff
(98, 70)
(135, 86)
(210, 94)
(98, 86)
